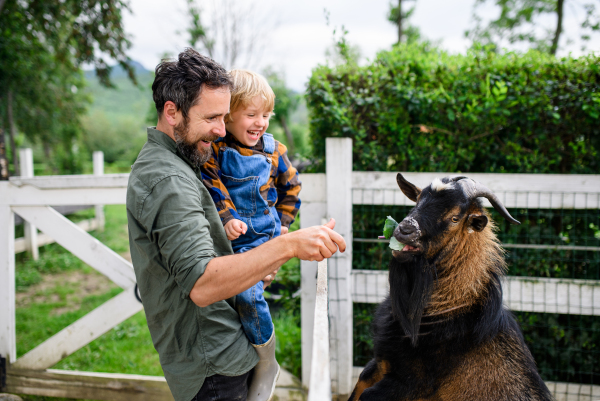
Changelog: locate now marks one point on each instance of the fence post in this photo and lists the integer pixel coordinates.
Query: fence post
(339, 206)
(26, 164)
(8, 342)
(98, 158)
(311, 214)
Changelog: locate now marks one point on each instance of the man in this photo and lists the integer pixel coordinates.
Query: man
(185, 268)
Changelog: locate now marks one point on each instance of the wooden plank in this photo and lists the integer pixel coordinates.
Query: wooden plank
(495, 182)
(88, 385)
(44, 239)
(98, 161)
(80, 243)
(560, 390)
(548, 295)
(26, 164)
(28, 195)
(339, 206)
(72, 181)
(523, 294)
(314, 188)
(551, 191)
(320, 375)
(81, 332)
(8, 342)
(64, 210)
(311, 214)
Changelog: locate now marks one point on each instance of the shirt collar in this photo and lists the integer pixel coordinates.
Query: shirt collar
(161, 139)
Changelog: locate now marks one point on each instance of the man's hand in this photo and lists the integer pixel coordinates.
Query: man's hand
(284, 230)
(316, 243)
(234, 228)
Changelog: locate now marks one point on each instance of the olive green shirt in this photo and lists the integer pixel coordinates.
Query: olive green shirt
(174, 231)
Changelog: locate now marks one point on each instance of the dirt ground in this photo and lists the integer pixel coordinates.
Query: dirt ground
(79, 284)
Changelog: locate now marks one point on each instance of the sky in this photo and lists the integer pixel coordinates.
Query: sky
(293, 36)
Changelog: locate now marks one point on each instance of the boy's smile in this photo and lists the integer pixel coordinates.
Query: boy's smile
(248, 124)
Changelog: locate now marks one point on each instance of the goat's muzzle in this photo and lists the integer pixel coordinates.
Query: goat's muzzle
(408, 233)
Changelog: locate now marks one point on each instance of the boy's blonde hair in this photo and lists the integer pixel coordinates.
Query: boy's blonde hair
(246, 86)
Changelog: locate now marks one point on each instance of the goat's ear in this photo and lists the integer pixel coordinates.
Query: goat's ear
(411, 191)
(477, 221)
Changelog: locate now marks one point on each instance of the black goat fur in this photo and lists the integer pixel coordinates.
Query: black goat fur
(474, 351)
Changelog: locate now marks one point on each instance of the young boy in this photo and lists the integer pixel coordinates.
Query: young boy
(255, 189)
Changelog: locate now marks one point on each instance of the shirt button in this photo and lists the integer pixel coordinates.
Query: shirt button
(266, 211)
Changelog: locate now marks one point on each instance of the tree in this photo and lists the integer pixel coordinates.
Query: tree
(286, 101)
(42, 47)
(237, 34)
(399, 15)
(520, 22)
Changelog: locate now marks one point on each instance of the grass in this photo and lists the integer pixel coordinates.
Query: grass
(51, 300)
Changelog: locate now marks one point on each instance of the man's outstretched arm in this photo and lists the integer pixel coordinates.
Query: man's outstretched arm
(227, 276)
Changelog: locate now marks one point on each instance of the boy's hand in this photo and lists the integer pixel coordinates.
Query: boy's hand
(284, 230)
(234, 228)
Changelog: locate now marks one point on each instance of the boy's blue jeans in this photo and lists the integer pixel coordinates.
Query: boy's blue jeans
(254, 314)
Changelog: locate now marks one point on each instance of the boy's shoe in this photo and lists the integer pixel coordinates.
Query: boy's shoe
(266, 372)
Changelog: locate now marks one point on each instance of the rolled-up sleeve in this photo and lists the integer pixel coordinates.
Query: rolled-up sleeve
(176, 223)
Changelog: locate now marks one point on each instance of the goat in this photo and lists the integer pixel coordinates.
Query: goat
(442, 333)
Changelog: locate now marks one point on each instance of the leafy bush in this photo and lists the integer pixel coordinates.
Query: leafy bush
(417, 108)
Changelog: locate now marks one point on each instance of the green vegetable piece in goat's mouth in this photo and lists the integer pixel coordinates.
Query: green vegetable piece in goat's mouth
(389, 227)
(388, 233)
(396, 245)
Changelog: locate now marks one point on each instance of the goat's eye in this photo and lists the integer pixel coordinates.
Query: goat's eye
(455, 219)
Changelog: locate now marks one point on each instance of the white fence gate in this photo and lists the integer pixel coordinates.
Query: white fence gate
(333, 194)
(29, 374)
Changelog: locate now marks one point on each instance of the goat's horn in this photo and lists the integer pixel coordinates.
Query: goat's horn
(474, 189)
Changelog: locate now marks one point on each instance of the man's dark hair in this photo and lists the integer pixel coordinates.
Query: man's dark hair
(181, 81)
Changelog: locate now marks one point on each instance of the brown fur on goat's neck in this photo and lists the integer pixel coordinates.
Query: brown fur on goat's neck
(465, 266)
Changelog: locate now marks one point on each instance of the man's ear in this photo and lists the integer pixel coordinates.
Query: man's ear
(170, 113)
(477, 221)
(411, 191)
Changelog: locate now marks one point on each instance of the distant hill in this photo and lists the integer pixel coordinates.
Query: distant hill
(119, 72)
(126, 99)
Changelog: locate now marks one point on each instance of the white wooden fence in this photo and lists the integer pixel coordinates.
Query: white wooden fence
(29, 374)
(333, 194)
(30, 197)
(32, 240)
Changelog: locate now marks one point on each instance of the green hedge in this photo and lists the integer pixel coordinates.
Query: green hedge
(417, 108)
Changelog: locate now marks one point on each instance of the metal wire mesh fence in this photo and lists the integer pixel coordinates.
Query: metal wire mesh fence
(553, 286)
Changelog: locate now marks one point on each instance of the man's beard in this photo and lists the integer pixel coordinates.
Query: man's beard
(190, 150)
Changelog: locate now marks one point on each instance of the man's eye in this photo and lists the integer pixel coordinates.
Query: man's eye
(455, 219)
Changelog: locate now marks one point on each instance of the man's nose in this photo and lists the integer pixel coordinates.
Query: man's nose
(220, 129)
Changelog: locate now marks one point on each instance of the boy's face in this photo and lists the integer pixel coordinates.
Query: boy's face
(249, 124)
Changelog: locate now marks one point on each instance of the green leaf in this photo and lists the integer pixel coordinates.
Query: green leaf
(395, 244)
(389, 227)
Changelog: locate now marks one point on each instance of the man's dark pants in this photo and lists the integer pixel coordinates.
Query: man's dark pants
(224, 388)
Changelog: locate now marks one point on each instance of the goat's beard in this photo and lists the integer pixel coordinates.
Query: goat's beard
(411, 285)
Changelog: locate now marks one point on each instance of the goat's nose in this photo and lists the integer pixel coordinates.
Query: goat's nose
(406, 228)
